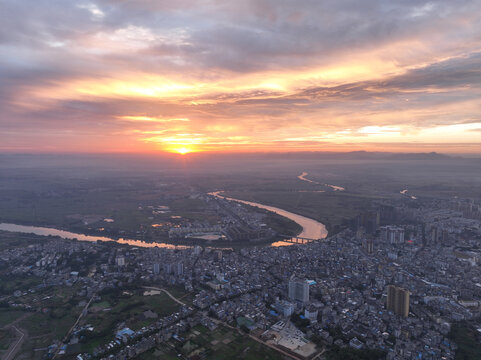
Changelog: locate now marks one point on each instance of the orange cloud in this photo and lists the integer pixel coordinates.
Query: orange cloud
(311, 76)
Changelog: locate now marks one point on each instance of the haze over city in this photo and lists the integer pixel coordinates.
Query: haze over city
(224, 76)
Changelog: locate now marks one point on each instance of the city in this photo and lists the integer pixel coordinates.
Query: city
(396, 282)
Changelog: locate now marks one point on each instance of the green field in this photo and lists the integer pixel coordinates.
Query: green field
(10, 283)
(105, 315)
(5, 340)
(10, 240)
(44, 324)
(82, 205)
(123, 307)
(8, 315)
(220, 344)
(468, 341)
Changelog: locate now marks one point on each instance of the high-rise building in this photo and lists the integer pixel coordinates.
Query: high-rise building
(434, 235)
(168, 268)
(174, 268)
(369, 246)
(392, 234)
(445, 236)
(391, 295)
(368, 220)
(156, 268)
(179, 269)
(299, 290)
(398, 300)
(120, 260)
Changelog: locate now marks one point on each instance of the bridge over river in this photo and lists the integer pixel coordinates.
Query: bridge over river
(312, 230)
(297, 239)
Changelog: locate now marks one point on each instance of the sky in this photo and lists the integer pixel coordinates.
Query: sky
(146, 76)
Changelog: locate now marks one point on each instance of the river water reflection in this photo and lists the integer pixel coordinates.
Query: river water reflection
(310, 229)
(46, 231)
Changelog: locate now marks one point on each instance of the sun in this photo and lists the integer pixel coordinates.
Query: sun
(183, 150)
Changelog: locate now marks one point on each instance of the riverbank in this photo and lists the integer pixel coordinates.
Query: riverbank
(334, 209)
(309, 228)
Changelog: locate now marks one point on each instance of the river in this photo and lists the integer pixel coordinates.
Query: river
(310, 229)
(405, 193)
(46, 231)
(333, 187)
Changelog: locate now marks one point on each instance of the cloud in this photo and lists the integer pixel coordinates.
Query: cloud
(256, 72)
(143, 118)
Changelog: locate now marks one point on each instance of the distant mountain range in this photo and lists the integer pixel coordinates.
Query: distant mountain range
(149, 160)
(357, 155)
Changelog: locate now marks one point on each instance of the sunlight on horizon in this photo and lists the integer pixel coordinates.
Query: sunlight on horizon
(183, 150)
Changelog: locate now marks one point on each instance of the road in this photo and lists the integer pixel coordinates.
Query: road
(84, 311)
(14, 347)
(319, 354)
(166, 292)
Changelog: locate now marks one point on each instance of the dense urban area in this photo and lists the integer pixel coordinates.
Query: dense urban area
(400, 281)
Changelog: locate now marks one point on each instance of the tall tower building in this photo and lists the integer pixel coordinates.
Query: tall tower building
(445, 236)
(369, 246)
(391, 295)
(398, 300)
(434, 235)
(179, 269)
(299, 290)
